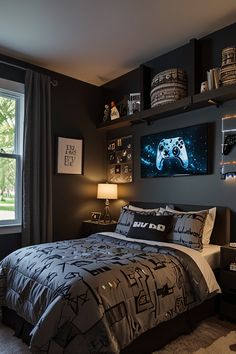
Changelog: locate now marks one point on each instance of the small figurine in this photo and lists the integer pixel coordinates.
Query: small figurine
(114, 111)
(106, 113)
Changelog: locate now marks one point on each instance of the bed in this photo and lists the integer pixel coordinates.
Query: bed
(101, 294)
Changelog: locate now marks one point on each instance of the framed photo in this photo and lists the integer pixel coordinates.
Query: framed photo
(120, 160)
(70, 156)
(96, 216)
(176, 152)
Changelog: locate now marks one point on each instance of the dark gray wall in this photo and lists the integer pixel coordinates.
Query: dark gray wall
(76, 108)
(204, 190)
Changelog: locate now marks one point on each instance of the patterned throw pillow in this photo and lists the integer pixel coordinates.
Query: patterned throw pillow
(150, 227)
(209, 224)
(126, 220)
(187, 229)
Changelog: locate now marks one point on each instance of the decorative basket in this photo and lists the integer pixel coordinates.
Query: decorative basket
(168, 86)
(228, 66)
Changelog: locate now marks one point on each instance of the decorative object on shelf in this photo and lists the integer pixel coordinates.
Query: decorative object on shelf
(168, 86)
(228, 156)
(107, 191)
(120, 160)
(96, 216)
(134, 103)
(213, 78)
(114, 111)
(106, 116)
(70, 156)
(228, 66)
(122, 106)
(177, 152)
(204, 86)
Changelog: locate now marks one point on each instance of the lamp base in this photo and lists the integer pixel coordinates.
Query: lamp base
(107, 215)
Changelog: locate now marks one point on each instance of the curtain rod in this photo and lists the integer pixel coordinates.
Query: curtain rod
(54, 83)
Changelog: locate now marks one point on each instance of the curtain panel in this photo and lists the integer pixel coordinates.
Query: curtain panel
(37, 161)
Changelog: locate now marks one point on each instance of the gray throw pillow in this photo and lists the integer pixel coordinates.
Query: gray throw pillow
(187, 229)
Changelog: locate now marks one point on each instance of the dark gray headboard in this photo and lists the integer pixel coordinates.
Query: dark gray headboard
(221, 231)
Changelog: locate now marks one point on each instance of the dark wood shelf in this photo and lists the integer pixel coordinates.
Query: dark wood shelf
(148, 115)
(167, 110)
(214, 97)
(120, 122)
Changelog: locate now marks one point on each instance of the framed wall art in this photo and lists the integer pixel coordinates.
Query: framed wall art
(70, 156)
(176, 152)
(120, 160)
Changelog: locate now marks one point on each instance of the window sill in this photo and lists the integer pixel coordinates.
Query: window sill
(10, 229)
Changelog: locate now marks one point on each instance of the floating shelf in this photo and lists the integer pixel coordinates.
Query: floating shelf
(214, 97)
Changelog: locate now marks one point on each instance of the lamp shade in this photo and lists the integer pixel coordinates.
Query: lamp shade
(107, 191)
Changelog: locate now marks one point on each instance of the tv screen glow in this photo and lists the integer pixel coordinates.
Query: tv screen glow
(176, 152)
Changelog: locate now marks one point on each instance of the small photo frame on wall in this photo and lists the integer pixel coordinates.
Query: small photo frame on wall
(120, 160)
(70, 156)
(96, 216)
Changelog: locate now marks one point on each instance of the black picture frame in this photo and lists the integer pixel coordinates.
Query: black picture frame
(179, 152)
(96, 216)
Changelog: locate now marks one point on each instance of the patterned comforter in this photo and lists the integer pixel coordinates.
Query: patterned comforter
(97, 294)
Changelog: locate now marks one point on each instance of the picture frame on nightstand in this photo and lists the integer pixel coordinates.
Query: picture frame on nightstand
(96, 216)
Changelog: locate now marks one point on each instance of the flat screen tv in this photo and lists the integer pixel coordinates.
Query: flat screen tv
(176, 152)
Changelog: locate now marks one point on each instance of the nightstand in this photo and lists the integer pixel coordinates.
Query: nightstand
(91, 227)
(227, 283)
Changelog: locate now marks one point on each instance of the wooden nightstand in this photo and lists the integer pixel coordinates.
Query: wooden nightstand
(91, 227)
(227, 283)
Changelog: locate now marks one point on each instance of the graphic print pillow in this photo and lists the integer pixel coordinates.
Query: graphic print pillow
(150, 227)
(126, 219)
(209, 224)
(187, 229)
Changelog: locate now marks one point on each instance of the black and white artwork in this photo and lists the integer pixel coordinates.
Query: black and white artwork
(70, 156)
(120, 160)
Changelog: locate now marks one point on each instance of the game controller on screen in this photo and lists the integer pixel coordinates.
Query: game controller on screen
(172, 148)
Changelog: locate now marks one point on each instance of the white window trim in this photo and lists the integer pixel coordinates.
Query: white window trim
(13, 88)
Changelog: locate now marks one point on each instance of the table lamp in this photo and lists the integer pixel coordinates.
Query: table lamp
(107, 191)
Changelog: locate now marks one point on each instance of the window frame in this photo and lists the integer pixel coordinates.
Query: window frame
(15, 90)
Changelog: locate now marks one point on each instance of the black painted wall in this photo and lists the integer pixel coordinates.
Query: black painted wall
(203, 190)
(76, 108)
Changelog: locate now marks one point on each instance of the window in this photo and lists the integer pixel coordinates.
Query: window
(11, 136)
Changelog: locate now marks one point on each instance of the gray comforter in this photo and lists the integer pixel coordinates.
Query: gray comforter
(97, 294)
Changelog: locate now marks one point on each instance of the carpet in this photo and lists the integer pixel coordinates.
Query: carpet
(212, 336)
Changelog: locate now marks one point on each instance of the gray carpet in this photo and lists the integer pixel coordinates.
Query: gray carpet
(210, 337)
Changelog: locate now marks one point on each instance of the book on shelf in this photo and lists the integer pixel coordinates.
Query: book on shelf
(213, 78)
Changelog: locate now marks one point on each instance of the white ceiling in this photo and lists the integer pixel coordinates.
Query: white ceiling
(99, 40)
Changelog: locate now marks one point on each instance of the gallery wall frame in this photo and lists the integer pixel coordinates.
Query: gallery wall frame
(69, 156)
(120, 160)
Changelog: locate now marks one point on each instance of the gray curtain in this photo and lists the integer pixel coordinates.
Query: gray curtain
(37, 161)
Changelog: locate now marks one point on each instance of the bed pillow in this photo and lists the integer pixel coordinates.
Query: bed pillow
(187, 229)
(146, 210)
(126, 219)
(209, 223)
(150, 227)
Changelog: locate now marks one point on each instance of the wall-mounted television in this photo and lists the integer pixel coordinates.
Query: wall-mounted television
(176, 152)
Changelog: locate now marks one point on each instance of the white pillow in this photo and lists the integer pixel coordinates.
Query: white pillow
(134, 208)
(209, 223)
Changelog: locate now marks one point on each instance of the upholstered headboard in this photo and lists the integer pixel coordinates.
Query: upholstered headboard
(221, 231)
